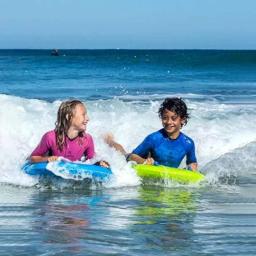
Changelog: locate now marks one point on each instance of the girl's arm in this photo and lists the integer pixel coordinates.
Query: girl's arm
(38, 159)
(40, 153)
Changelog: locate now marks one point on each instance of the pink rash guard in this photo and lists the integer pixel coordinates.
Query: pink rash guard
(74, 149)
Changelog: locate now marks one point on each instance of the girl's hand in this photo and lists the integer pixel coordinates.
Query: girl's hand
(149, 161)
(52, 158)
(104, 164)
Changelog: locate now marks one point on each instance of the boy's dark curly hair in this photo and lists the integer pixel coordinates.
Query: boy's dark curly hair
(176, 105)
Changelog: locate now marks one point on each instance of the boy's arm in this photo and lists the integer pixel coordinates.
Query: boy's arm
(193, 166)
(191, 158)
(140, 160)
(141, 153)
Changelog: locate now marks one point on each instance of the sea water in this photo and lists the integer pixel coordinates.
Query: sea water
(122, 91)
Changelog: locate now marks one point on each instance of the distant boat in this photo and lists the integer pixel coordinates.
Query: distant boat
(55, 52)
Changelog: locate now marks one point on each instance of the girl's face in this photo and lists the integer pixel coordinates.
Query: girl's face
(172, 123)
(80, 118)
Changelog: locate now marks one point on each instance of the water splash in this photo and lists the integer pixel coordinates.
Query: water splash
(216, 129)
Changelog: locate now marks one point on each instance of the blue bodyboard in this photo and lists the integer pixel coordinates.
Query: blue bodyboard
(68, 170)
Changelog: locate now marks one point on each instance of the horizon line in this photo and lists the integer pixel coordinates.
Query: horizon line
(128, 49)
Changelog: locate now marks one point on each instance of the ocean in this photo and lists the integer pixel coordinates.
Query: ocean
(123, 90)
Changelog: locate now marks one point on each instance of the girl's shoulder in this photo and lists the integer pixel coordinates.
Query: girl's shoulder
(49, 138)
(50, 135)
(87, 137)
(86, 140)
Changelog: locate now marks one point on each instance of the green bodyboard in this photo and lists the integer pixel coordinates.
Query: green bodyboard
(168, 173)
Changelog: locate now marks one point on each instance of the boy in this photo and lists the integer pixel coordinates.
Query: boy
(169, 145)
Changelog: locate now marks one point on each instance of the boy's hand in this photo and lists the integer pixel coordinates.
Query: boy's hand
(109, 139)
(193, 167)
(149, 161)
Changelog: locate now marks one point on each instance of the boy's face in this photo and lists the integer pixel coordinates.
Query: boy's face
(172, 123)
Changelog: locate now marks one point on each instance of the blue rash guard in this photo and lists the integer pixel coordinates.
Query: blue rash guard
(167, 151)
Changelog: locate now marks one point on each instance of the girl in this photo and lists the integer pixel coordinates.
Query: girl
(69, 138)
(169, 145)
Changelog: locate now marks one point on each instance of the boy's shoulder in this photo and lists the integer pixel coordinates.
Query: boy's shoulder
(157, 135)
(186, 139)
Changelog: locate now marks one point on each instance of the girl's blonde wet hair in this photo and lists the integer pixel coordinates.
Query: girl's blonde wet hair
(64, 117)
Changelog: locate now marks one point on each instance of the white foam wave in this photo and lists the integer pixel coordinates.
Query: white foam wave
(217, 129)
(240, 162)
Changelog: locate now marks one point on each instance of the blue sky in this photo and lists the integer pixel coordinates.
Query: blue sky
(129, 24)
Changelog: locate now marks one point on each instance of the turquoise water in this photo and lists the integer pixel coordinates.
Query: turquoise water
(122, 91)
(103, 74)
(128, 221)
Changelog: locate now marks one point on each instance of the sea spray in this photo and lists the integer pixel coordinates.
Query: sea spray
(217, 129)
